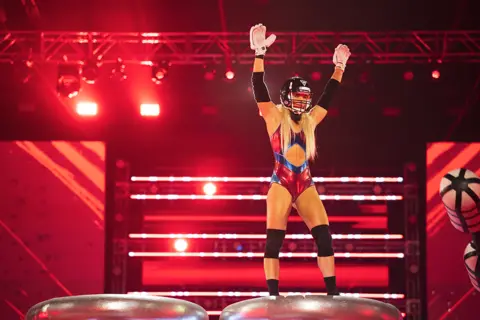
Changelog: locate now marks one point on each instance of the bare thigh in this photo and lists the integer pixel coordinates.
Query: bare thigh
(311, 209)
(279, 204)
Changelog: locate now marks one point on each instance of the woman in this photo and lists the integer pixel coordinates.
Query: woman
(291, 128)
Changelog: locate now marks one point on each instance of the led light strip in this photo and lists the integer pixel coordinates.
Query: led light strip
(262, 179)
(235, 236)
(217, 313)
(263, 294)
(255, 197)
(260, 255)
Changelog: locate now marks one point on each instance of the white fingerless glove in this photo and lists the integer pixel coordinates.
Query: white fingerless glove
(258, 41)
(341, 55)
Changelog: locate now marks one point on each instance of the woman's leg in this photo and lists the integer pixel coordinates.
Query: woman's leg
(278, 208)
(312, 211)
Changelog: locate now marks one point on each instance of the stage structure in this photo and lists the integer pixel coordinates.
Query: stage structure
(202, 239)
(214, 47)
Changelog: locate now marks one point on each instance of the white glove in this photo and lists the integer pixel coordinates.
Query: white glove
(258, 41)
(341, 55)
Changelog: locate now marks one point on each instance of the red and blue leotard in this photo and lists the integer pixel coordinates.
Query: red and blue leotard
(295, 179)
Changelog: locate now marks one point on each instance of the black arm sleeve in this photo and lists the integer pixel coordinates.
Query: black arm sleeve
(328, 93)
(259, 88)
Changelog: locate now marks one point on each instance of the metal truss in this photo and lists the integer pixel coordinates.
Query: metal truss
(210, 47)
(117, 237)
(413, 279)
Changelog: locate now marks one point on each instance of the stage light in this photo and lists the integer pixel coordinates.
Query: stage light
(90, 70)
(436, 74)
(209, 189)
(68, 80)
(87, 109)
(23, 70)
(180, 245)
(316, 76)
(210, 73)
(160, 74)
(408, 76)
(118, 72)
(149, 110)
(337, 197)
(265, 179)
(251, 236)
(209, 76)
(398, 296)
(229, 75)
(160, 71)
(344, 255)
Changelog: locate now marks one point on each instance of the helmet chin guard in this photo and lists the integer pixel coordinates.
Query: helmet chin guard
(296, 95)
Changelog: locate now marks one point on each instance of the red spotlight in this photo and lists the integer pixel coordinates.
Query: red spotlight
(209, 189)
(316, 76)
(86, 109)
(149, 110)
(229, 75)
(408, 76)
(436, 74)
(180, 245)
(160, 74)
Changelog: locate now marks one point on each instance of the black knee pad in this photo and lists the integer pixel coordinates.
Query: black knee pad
(323, 239)
(274, 243)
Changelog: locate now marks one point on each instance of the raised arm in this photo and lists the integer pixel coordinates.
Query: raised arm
(340, 58)
(260, 91)
(260, 45)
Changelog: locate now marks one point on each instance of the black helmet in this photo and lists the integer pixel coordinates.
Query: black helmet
(297, 86)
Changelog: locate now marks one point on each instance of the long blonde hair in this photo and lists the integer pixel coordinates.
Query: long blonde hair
(307, 125)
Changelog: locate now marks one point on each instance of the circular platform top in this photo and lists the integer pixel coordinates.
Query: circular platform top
(112, 306)
(311, 308)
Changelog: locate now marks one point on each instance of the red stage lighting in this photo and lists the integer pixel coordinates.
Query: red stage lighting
(87, 109)
(316, 76)
(180, 245)
(229, 75)
(267, 179)
(160, 74)
(408, 76)
(209, 189)
(436, 74)
(149, 109)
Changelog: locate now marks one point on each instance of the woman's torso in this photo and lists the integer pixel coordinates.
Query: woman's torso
(295, 152)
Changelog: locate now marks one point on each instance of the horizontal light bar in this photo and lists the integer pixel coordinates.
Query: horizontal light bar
(87, 109)
(262, 294)
(149, 109)
(260, 255)
(234, 236)
(255, 197)
(217, 313)
(263, 179)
